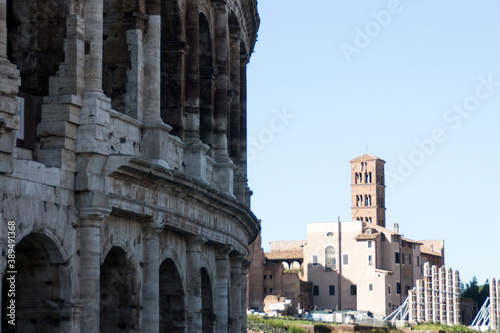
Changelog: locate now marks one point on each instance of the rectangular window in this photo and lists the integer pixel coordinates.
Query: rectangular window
(345, 259)
(396, 257)
(270, 290)
(370, 287)
(370, 260)
(354, 289)
(409, 259)
(332, 290)
(418, 261)
(265, 277)
(403, 256)
(315, 290)
(315, 260)
(270, 276)
(398, 288)
(383, 237)
(389, 290)
(265, 290)
(369, 244)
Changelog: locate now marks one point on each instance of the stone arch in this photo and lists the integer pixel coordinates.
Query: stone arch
(119, 293)
(120, 19)
(207, 78)
(172, 298)
(35, 43)
(207, 302)
(43, 284)
(173, 51)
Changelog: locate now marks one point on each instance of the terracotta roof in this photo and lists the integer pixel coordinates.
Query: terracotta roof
(411, 241)
(285, 255)
(366, 157)
(367, 236)
(426, 250)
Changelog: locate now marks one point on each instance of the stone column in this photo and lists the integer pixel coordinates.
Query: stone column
(194, 305)
(236, 299)
(151, 277)
(93, 46)
(234, 108)
(221, 302)
(244, 272)
(3, 29)
(90, 265)
(225, 167)
(192, 98)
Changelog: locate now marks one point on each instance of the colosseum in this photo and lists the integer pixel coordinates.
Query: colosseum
(123, 174)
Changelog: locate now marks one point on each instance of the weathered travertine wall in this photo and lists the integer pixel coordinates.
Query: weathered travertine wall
(123, 163)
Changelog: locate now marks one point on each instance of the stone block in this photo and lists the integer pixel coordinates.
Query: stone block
(65, 196)
(67, 179)
(57, 128)
(8, 104)
(57, 157)
(7, 142)
(52, 176)
(90, 163)
(61, 112)
(195, 161)
(57, 142)
(12, 186)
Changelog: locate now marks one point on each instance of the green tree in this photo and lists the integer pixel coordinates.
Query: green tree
(474, 291)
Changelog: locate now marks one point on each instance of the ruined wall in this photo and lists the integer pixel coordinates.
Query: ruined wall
(123, 164)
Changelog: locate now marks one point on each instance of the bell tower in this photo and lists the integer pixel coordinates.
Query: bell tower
(368, 189)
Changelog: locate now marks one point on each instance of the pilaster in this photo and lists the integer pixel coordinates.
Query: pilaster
(195, 161)
(90, 265)
(194, 304)
(236, 293)
(244, 273)
(151, 277)
(222, 277)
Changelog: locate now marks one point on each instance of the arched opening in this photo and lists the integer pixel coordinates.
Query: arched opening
(207, 77)
(173, 51)
(118, 17)
(207, 304)
(35, 43)
(172, 308)
(119, 293)
(330, 258)
(42, 283)
(285, 265)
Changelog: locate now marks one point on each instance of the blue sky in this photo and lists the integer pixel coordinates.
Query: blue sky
(418, 82)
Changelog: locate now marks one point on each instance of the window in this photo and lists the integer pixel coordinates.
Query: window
(270, 276)
(330, 234)
(354, 289)
(418, 261)
(370, 220)
(409, 259)
(398, 288)
(370, 260)
(265, 290)
(403, 256)
(315, 260)
(315, 290)
(389, 304)
(370, 287)
(345, 259)
(330, 260)
(396, 257)
(332, 290)
(383, 237)
(270, 290)
(369, 243)
(265, 277)
(389, 290)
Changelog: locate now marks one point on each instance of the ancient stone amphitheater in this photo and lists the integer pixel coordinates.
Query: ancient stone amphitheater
(125, 205)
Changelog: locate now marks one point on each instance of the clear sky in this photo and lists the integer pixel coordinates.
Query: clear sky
(417, 82)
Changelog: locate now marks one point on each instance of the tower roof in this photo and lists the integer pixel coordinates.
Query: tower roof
(366, 157)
